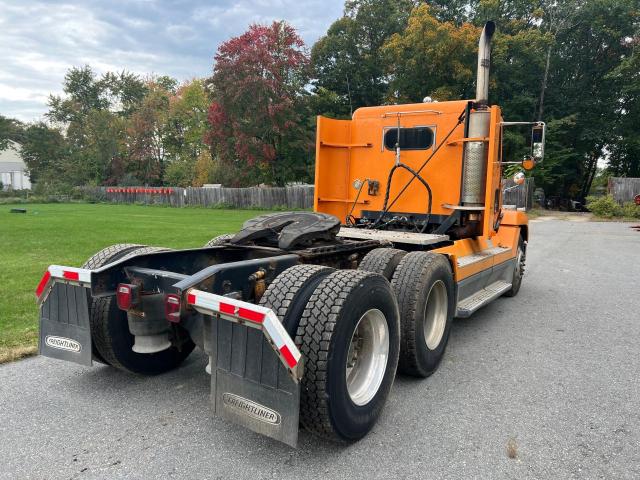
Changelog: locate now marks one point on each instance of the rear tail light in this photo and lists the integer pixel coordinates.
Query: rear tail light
(172, 307)
(127, 296)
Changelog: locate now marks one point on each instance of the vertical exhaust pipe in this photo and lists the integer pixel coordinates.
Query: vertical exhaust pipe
(474, 163)
(484, 63)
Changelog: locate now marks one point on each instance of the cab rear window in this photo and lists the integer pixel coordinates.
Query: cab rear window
(415, 138)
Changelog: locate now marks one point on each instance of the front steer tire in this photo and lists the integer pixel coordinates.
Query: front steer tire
(518, 271)
(423, 283)
(325, 337)
(112, 341)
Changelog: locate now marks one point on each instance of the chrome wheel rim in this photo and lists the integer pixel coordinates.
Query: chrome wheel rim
(435, 314)
(520, 259)
(367, 357)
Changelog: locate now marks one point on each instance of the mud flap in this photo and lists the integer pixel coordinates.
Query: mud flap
(65, 332)
(249, 384)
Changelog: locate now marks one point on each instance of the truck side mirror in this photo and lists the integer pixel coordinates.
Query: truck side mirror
(538, 133)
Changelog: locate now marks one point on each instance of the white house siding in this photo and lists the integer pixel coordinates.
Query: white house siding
(13, 171)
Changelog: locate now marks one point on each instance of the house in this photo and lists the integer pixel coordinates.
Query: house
(13, 171)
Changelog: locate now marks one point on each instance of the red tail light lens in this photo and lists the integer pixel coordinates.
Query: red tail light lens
(127, 296)
(172, 307)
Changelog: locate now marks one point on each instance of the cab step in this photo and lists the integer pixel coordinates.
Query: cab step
(479, 299)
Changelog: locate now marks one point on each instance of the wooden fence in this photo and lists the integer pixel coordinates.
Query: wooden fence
(520, 196)
(624, 189)
(291, 197)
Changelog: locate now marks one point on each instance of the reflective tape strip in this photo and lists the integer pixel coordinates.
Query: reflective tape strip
(44, 281)
(79, 275)
(58, 273)
(252, 315)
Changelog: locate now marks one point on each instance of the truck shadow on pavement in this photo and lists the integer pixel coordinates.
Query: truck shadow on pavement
(188, 386)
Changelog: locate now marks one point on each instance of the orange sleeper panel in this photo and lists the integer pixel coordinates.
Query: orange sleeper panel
(332, 166)
(337, 168)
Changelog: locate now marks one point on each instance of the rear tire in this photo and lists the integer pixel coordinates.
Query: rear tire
(110, 334)
(289, 293)
(99, 259)
(383, 261)
(423, 283)
(349, 337)
(219, 240)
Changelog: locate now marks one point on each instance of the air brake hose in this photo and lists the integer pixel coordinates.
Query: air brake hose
(422, 180)
(426, 185)
(353, 206)
(416, 174)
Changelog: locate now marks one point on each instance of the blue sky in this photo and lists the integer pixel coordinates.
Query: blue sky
(40, 40)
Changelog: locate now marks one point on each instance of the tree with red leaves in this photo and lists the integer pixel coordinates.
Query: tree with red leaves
(258, 118)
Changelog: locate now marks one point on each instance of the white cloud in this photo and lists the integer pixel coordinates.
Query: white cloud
(40, 40)
(19, 94)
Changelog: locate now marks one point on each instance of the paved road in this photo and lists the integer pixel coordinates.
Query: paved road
(556, 371)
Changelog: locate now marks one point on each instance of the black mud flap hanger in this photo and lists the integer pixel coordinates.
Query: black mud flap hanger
(255, 365)
(63, 298)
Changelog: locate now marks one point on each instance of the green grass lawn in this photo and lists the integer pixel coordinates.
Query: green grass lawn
(68, 234)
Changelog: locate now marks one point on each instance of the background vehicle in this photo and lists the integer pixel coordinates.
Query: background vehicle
(307, 316)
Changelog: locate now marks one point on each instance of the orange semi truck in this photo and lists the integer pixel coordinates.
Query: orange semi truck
(306, 317)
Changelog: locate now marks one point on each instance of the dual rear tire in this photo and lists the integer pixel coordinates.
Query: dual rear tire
(424, 287)
(355, 329)
(423, 284)
(347, 328)
(112, 341)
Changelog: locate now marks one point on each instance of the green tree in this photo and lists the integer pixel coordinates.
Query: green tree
(10, 130)
(456, 11)
(187, 126)
(205, 169)
(45, 152)
(258, 131)
(146, 135)
(183, 133)
(431, 57)
(93, 111)
(585, 57)
(347, 61)
(624, 158)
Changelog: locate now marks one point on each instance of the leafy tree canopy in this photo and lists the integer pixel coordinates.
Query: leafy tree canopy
(258, 112)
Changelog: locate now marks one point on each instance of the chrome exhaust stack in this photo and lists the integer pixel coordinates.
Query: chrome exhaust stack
(484, 63)
(474, 165)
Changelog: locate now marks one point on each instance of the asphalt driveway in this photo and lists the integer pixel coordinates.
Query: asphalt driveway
(553, 373)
